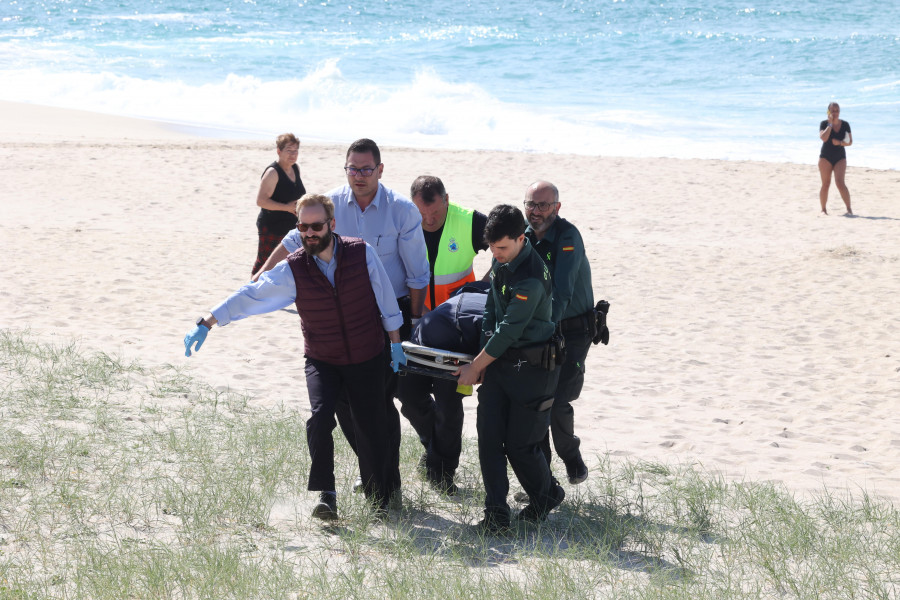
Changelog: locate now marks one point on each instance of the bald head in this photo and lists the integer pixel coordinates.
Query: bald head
(544, 190)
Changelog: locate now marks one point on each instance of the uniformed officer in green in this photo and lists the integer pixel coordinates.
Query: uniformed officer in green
(516, 388)
(559, 244)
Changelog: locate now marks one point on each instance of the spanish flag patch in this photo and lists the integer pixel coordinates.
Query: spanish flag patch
(568, 248)
(521, 297)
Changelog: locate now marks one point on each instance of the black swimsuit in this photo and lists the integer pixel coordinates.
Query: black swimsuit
(830, 152)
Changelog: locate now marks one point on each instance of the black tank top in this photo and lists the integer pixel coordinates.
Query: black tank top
(286, 192)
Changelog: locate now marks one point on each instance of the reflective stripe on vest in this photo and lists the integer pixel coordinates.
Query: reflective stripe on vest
(453, 265)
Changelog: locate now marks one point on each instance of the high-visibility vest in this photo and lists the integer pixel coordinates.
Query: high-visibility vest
(452, 267)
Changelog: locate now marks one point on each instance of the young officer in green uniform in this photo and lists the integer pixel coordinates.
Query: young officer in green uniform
(559, 244)
(517, 380)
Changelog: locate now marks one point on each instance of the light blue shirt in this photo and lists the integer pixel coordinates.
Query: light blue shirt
(392, 225)
(276, 289)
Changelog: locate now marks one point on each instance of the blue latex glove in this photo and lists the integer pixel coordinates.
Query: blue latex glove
(397, 356)
(196, 335)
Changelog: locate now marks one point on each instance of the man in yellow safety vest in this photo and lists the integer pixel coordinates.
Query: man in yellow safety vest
(453, 236)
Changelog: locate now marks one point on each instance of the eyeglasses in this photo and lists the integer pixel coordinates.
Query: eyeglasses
(541, 206)
(314, 226)
(365, 171)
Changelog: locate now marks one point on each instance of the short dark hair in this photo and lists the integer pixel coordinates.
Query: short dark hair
(504, 220)
(365, 145)
(429, 186)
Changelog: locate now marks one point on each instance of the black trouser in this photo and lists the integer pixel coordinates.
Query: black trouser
(438, 420)
(392, 439)
(510, 426)
(571, 380)
(358, 387)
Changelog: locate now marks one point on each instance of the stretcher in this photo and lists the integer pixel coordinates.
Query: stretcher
(433, 362)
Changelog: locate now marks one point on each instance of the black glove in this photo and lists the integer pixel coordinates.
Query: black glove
(601, 331)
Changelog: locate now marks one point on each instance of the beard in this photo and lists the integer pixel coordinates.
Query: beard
(316, 244)
(540, 224)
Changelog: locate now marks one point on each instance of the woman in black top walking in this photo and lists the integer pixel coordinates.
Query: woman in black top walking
(279, 190)
(835, 135)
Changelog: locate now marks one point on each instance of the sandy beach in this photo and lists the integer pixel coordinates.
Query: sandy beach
(748, 333)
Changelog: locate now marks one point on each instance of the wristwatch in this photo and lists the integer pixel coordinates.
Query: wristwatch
(201, 321)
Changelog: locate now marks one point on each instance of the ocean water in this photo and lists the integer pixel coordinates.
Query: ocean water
(730, 79)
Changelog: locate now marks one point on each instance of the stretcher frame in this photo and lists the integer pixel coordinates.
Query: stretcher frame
(433, 362)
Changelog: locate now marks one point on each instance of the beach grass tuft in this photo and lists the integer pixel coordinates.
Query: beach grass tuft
(119, 480)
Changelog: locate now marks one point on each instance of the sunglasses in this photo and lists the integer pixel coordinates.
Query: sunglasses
(314, 226)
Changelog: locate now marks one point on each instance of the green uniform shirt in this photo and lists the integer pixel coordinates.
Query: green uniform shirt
(518, 307)
(562, 249)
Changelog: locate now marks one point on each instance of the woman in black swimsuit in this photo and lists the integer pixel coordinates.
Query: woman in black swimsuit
(835, 135)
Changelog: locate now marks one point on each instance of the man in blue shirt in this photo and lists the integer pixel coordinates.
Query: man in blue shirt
(392, 225)
(346, 303)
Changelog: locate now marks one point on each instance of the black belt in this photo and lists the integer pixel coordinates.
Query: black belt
(578, 322)
(543, 355)
(515, 354)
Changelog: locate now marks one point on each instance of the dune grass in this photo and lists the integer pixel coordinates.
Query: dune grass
(123, 481)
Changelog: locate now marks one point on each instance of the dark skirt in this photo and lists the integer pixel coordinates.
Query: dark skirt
(268, 241)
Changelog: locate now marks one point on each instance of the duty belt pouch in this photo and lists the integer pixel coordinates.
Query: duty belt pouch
(558, 348)
(533, 355)
(548, 356)
(599, 330)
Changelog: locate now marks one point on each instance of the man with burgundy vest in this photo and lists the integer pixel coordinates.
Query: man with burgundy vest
(390, 223)
(346, 302)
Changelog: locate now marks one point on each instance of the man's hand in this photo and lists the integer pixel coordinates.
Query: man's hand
(197, 335)
(397, 356)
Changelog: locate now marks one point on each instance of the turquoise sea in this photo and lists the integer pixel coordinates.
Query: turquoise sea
(730, 79)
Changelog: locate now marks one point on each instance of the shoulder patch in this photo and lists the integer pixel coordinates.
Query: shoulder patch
(521, 297)
(568, 248)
